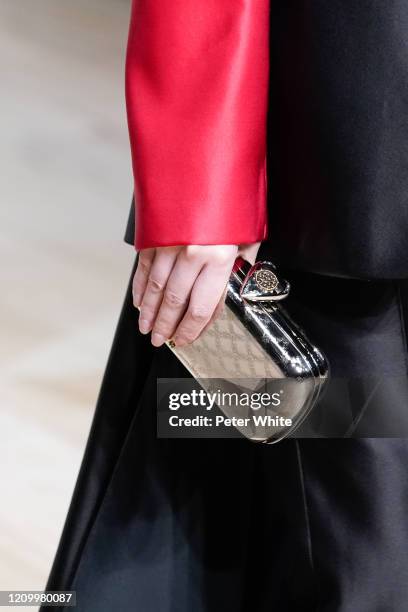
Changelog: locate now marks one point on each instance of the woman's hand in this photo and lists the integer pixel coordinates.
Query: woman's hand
(180, 289)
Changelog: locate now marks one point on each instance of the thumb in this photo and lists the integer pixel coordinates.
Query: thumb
(249, 251)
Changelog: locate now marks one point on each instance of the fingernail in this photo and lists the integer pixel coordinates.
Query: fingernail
(158, 339)
(179, 341)
(144, 326)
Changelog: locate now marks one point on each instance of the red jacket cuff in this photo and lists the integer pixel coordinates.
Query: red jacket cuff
(196, 90)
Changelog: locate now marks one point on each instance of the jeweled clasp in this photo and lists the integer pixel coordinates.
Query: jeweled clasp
(262, 284)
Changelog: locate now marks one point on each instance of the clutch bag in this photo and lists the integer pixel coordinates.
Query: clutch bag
(253, 346)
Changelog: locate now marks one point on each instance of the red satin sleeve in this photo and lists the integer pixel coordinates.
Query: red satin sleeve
(196, 95)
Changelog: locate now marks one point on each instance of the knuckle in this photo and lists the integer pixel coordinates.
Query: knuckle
(199, 314)
(222, 257)
(192, 252)
(173, 300)
(155, 285)
(144, 262)
(144, 266)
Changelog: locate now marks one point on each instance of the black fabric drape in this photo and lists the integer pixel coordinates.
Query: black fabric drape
(216, 525)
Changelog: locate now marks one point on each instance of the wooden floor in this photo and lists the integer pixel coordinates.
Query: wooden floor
(64, 195)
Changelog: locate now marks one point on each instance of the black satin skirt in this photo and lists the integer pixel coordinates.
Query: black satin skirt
(226, 525)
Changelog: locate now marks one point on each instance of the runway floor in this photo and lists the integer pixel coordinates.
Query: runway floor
(64, 197)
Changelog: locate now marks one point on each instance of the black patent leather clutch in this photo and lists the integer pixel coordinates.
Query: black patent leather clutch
(254, 347)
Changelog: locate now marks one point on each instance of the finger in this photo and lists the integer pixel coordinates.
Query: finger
(249, 251)
(159, 273)
(218, 310)
(205, 296)
(141, 275)
(175, 298)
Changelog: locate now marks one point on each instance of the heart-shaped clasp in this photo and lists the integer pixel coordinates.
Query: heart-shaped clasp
(262, 284)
